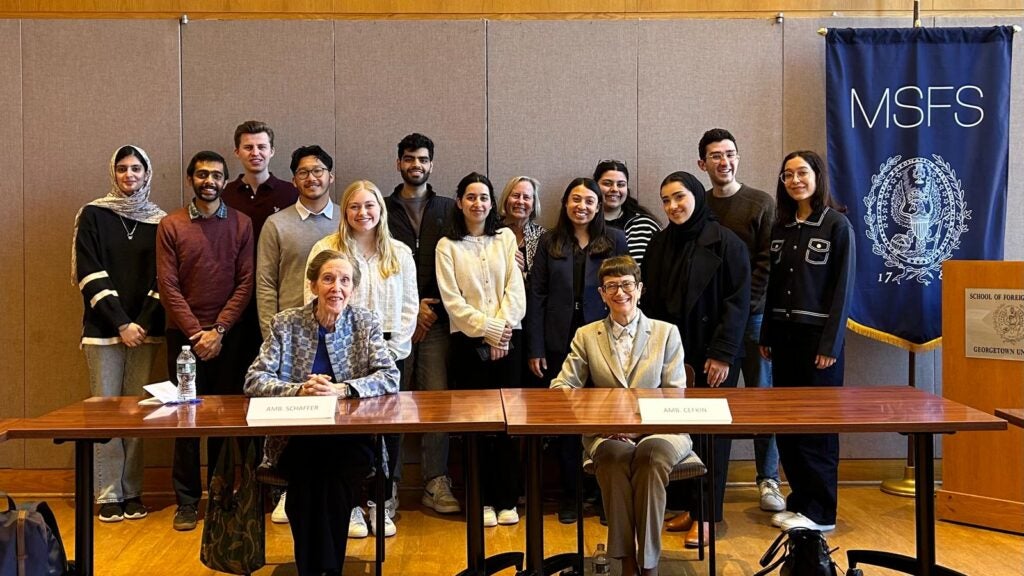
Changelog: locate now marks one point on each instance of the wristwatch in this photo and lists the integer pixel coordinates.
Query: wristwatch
(346, 390)
(220, 329)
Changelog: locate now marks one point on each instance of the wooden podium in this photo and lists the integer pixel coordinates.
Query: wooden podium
(983, 473)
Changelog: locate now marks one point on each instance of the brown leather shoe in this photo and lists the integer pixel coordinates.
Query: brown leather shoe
(679, 523)
(692, 537)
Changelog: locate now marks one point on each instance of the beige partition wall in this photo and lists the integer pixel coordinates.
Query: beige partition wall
(690, 80)
(12, 249)
(394, 78)
(560, 97)
(280, 72)
(90, 86)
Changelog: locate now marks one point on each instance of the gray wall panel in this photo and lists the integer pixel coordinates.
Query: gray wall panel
(280, 72)
(394, 78)
(691, 81)
(561, 97)
(90, 86)
(12, 250)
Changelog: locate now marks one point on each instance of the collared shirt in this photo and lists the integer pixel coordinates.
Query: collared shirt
(195, 214)
(327, 212)
(622, 338)
(269, 197)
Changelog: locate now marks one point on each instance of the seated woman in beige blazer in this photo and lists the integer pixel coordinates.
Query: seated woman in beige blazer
(629, 350)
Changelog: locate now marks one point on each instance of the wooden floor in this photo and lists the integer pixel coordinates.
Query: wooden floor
(431, 545)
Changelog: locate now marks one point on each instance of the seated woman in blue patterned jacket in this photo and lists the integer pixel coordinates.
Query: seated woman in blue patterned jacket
(325, 348)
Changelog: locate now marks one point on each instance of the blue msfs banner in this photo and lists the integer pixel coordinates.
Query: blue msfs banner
(918, 146)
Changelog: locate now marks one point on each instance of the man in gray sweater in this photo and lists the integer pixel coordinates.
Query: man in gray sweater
(286, 240)
(750, 213)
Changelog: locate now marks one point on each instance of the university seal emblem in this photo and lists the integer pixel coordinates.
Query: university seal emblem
(915, 215)
(1009, 322)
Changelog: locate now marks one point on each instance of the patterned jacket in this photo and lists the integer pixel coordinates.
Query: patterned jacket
(357, 350)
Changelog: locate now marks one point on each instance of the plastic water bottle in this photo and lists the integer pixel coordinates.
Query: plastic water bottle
(601, 565)
(186, 375)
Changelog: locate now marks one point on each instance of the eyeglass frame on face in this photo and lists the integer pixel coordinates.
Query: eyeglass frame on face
(612, 288)
(303, 173)
(717, 157)
(802, 173)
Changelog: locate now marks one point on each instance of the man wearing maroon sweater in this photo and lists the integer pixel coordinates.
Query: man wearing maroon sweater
(204, 266)
(258, 194)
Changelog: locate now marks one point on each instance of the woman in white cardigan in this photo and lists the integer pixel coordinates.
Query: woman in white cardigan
(482, 290)
(629, 350)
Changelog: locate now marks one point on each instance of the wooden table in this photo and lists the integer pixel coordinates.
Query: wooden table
(98, 419)
(538, 412)
(1014, 416)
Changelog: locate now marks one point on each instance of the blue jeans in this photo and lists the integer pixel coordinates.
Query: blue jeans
(117, 370)
(757, 373)
(426, 368)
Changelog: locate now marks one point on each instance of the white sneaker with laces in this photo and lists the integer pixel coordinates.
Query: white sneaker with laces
(508, 516)
(771, 496)
(490, 518)
(438, 496)
(391, 504)
(778, 519)
(279, 516)
(357, 524)
(800, 521)
(389, 526)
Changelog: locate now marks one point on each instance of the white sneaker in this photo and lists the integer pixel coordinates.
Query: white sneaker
(800, 521)
(357, 524)
(279, 516)
(490, 518)
(438, 496)
(508, 516)
(391, 504)
(778, 519)
(389, 525)
(771, 496)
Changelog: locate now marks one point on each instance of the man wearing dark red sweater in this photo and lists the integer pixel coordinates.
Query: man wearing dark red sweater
(204, 266)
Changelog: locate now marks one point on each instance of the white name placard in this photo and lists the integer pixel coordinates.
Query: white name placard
(311, 409)
(684, 411)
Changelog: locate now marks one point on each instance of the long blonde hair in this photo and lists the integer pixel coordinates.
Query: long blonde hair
(345, 243)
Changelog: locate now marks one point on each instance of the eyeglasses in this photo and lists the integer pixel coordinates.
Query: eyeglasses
(612, 288)
(719, 156)
(803, 174)
(316, 172)
(216, 175)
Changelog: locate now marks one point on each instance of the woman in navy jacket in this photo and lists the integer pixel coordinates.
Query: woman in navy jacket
(807, 302)
(697, 276)
(563, 296)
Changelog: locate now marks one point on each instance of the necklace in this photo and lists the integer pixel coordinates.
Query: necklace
(130, 233)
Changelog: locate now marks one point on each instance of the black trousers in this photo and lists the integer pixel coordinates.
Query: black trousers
(222, 375)
(811, 461)
(325, 474)
(500, 469)
(686, 494)
(393, 445)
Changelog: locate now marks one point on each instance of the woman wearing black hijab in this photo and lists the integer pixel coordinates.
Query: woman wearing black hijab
(697, 276)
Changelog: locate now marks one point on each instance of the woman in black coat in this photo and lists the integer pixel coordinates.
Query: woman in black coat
(697, 276)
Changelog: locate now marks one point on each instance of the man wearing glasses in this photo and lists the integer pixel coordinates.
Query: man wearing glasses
(204, 268)
(749, 213)
(287, 238)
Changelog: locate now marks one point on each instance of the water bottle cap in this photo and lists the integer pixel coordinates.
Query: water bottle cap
(186, 348)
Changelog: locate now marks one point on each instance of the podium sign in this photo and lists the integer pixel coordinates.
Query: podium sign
(994, 323)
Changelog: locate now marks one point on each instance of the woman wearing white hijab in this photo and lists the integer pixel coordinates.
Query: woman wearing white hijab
(113, 262)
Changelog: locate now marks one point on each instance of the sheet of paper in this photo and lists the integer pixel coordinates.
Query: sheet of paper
(166, 391)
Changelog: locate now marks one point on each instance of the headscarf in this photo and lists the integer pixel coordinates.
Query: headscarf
(689, 230)
(681, 241)
(136, 207)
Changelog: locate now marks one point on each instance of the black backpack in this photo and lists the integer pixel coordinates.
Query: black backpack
(30, 543)
(804, 552)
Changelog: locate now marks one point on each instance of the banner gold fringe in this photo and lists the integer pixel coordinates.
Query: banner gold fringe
(892, 340)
